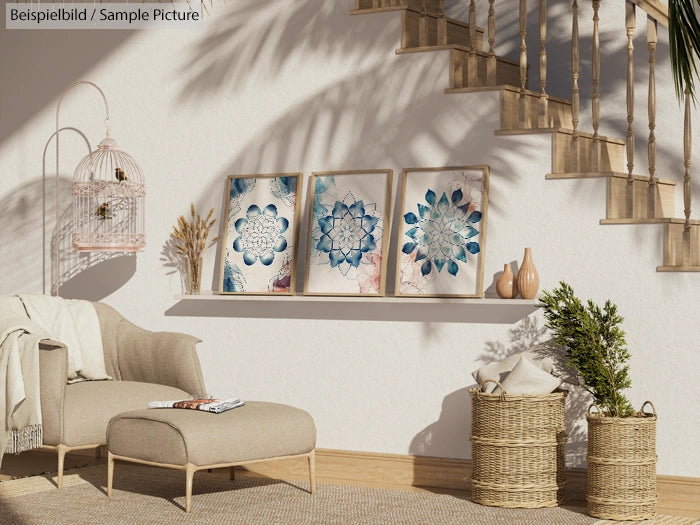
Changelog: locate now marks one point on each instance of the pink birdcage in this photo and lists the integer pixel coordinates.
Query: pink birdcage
(108, 201)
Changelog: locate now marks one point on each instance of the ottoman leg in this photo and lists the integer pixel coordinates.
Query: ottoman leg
(312, 471)
(189, 478)
(110, 473)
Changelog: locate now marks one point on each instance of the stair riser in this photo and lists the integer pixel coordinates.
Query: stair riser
(618, 195)
(432, 6)
(558, 113)
(674, 245)
(456, 33)
(612, 155)
(506, 72)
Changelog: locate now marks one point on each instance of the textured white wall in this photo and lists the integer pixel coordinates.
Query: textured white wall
(303, 86)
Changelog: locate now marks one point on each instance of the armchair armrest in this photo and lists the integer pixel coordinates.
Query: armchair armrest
(166, 358)
(53, 370)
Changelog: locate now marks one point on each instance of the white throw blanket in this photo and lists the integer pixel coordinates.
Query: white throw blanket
(75, 324)
(20, 413)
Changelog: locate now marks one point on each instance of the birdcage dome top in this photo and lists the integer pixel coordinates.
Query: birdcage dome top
(108, 143)
(108, 163)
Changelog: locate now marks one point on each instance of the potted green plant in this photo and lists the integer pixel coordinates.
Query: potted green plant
(684, 42)
(621, 442)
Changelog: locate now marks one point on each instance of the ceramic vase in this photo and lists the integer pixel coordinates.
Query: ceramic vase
(528, 281)
(506, 286)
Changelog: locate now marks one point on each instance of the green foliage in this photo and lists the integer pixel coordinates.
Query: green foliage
(595, 346)
(684, 42)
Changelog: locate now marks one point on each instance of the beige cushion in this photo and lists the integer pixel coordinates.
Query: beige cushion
(176, 436)
(499, 370)
(90, 405)
(528, 378)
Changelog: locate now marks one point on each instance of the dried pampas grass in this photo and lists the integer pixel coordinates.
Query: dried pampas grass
(191, 241)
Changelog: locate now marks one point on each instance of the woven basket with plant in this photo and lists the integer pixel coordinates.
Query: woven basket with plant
(621, 442)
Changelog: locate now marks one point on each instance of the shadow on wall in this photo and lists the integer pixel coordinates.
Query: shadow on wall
(449, 435)
(251, 39)
(531, 334)
(365, 120)
(29, 243)
(38, 65)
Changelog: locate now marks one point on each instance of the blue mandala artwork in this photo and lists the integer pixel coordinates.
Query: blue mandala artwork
(260, 234)
(441, 232)
(234, 280)
(347, 232)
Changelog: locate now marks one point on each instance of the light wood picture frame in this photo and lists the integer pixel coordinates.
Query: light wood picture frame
(442, 235)
(349, 214)
(259, 252)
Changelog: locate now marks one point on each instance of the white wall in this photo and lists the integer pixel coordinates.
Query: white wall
(303, 86)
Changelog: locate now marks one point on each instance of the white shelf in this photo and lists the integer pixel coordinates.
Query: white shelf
(354, 308)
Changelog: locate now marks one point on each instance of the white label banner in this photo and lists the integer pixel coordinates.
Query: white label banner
(103, 16)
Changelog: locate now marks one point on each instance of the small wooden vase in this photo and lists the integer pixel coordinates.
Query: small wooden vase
(506, 286)
(528, 281)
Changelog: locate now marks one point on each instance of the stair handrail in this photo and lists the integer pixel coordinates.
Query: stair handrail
(655, 9)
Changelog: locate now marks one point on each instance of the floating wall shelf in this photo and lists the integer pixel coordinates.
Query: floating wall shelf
(353, 308)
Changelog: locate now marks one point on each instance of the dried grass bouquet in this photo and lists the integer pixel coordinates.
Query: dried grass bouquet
(191, 241)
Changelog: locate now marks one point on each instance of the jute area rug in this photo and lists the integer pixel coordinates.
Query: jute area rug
(148, 495)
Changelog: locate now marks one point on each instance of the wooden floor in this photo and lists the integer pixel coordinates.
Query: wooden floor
(677, 496)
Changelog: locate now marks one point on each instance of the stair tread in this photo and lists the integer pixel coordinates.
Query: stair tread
(370, 10)
(506, 87)
(533, 131)
(678, 268)
(655, 220)
(602, 174)
(442, 47)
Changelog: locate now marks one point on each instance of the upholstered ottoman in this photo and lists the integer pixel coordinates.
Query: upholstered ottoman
(193, 440)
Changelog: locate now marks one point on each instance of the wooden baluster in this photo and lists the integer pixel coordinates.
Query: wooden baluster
(543, 103)
(471, 65)
(442, 25)
(523, 62)
(630, 24)
(652, 39)
(687, 143)
(491, 62)
(423, 25)
(575, 157)
(595, 146)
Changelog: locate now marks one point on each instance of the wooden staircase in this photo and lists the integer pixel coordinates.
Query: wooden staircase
(474, 67)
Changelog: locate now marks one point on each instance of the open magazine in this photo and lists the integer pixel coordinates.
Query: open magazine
(208, 405)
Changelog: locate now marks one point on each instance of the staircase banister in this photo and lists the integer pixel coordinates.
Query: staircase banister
(655, 9)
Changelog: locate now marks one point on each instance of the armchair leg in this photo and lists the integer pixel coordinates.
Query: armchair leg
(312, 471)
(61, 449)
(110, 473)
(189, 478)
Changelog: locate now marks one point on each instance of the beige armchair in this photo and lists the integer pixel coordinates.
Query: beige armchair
(145, 366)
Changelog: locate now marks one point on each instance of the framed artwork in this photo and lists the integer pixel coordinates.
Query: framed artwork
(442, 234)
(348, 232)
(259, 250)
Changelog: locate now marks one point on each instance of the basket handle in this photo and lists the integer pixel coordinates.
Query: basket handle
(653, 408)
(481, 386)
(598, 411)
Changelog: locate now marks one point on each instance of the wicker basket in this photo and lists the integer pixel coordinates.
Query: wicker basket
(622, 465)
(518, 449)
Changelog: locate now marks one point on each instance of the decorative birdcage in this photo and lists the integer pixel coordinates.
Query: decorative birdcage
(108, 201)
